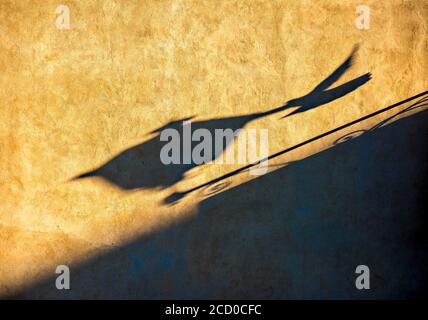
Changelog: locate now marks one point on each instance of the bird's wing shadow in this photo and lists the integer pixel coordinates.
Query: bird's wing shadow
(324, 97)
(332, 78)
(345, 88)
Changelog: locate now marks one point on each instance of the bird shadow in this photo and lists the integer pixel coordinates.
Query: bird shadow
(140, 166)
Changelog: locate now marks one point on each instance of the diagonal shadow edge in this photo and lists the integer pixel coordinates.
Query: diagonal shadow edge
(109, 261)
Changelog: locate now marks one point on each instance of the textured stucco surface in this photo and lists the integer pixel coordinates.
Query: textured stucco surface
(73, 99)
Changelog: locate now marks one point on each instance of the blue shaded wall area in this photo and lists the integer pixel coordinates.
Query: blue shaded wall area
(298, 232)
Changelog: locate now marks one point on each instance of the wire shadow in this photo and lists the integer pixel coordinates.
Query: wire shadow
(423, 102)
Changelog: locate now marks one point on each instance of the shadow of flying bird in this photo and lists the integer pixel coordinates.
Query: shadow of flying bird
(140, 166)
(321, 95)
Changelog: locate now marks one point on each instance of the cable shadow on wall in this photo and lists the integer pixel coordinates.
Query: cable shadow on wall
(221, 182)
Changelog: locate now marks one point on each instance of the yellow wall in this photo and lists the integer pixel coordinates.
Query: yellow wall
(72, 99)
